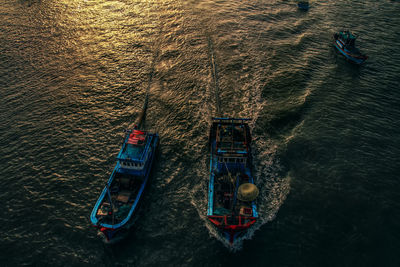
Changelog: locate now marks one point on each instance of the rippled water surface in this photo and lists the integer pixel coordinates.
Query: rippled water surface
(73, 76)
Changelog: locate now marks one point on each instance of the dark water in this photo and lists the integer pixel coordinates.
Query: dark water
(73, 76)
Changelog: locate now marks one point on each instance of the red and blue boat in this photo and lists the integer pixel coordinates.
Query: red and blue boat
(231, 191)
(345, 43)
(116, 208)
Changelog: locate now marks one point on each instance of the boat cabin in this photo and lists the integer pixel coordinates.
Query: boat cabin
(231, 145)
(347, 38)
(134, 153)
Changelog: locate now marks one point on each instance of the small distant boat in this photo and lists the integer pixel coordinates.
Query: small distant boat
(345, 43)
(116, 209)
(304, 5)
(231, 191)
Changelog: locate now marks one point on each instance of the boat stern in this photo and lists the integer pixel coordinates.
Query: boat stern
(232, 227)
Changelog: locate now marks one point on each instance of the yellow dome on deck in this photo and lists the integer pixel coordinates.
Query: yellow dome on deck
(247, 192)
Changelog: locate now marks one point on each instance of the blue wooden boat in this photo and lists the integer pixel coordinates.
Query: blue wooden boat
(303, 5)
(345, 43)
(116, 209)
(231, 190)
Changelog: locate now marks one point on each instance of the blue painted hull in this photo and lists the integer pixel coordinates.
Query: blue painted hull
(348, 55)
(233, 230)
(213, 166)
(115, 232)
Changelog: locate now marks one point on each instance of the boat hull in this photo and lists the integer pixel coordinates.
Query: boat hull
(357, 59)
(112, 233)
(232, 225)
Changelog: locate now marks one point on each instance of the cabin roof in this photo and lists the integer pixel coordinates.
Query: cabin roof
(231, 138)
(135, 146)
(137, 137)
(347, 35)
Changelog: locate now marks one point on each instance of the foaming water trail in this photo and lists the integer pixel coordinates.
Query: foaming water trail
(269, 174)
(75, 73)
(268, 177)
(142, 115)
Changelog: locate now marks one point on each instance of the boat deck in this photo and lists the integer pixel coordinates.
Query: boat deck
(225, 201)
(123, 190)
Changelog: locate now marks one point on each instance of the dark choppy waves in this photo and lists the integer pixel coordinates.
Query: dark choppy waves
(73, 75)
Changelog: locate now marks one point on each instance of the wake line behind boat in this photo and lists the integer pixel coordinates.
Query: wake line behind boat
(116, 209)
(231, 191)
(142, 115)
